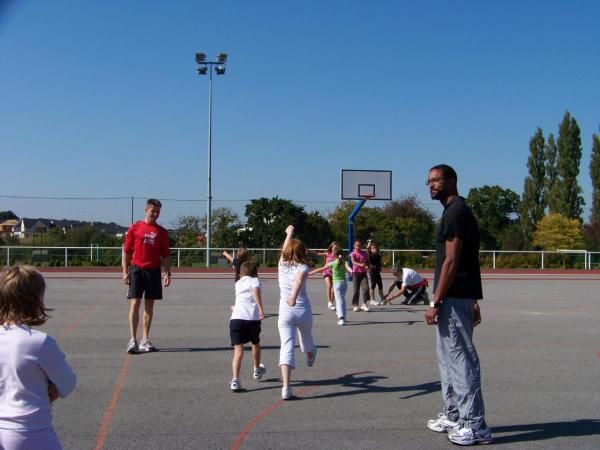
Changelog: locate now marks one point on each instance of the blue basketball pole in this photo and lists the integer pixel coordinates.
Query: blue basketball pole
(351, 217)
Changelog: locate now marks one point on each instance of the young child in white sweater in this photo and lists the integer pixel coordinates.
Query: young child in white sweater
(33, 370)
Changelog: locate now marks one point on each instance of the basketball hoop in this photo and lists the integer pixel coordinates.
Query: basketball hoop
(367, 197)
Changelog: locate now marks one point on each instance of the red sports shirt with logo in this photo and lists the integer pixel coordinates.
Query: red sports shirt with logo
(146, 243)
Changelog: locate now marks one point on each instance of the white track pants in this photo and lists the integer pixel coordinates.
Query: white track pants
(290, 320)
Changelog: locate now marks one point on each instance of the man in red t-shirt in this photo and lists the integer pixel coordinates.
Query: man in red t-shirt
(145, 251)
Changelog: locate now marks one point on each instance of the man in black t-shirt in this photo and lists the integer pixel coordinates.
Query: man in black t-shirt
(454, 308)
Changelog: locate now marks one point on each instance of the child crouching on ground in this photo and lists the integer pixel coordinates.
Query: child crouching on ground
(244, 325)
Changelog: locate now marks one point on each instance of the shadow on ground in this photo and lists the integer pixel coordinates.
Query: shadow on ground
(547, 430)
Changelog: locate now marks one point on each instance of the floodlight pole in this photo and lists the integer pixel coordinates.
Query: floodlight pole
(203, 67)
(209, 189)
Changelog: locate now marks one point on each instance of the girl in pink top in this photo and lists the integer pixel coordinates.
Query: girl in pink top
(329, 257)
(360, 281)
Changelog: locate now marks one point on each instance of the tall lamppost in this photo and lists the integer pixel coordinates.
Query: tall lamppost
(203, 68)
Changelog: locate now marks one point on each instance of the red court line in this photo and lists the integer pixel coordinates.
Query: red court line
(70, 328)
(299, 392)
(112, 406)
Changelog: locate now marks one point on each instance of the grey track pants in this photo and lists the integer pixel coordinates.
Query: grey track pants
(459, 364)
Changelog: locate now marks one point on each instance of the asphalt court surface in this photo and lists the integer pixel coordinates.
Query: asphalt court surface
(374, 384)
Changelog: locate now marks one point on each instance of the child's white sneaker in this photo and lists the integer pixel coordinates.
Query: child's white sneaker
(286, 393)
(259, 371)
(236, 385)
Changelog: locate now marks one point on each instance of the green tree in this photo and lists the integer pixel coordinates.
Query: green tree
(565, 194)
(402, 223)
(186, 231)
(495, 209)
(533, 204)
(555, 232)
(595, 176)
(591, 234)
(551, 171)
(317, 232)
(7, 215)
(407, 224)
(267, 219)
(225, 228)
(80, 237)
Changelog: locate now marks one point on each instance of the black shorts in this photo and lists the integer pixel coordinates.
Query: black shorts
(376, 280)
(145, 283)
(244, 331)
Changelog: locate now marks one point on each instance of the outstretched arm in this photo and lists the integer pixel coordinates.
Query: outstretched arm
(320, 269)
(289, 234)
(227, 256)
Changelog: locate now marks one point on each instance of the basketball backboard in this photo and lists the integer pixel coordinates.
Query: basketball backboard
(359, 184)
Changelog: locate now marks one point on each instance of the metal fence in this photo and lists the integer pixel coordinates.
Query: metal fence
(95, 256)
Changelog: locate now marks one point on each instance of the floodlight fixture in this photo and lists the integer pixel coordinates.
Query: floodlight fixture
(202, 70)
(222, 57)
(220, 69)
(200, 58)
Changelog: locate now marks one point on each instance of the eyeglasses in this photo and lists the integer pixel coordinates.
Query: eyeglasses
(434, 180)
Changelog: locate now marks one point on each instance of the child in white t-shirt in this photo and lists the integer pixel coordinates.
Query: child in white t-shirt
(33, 370)
(411, 284)
(244, 325)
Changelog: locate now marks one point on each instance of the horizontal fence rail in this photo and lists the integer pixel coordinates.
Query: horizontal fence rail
(95, 256)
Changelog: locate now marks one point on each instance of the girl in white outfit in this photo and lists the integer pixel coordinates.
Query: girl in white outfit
(33, 370)
(295, 312)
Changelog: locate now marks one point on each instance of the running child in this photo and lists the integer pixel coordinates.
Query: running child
(338, 268)
(375, 273)
(244, 325)
(295, 313)
(327, 276)
(33, 370)
(360, 282)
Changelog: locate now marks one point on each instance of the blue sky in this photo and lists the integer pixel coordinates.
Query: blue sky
(101, 98)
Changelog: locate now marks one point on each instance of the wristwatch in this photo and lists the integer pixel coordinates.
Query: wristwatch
(433, 304)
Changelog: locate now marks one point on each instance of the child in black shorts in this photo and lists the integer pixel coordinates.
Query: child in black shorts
(244, 325)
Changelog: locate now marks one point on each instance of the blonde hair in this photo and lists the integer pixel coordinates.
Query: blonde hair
(22, 296)
(295, 252)
(330, 248)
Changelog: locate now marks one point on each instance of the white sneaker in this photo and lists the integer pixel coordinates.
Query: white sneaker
(146, 346)
(374, 302)
(236, 385)
(286, 393)
(259, 371)
(365, 307)
(442, 424)
(355, 309)
(331, 306)
(467, 436)
(341, 322)
(132, 347)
